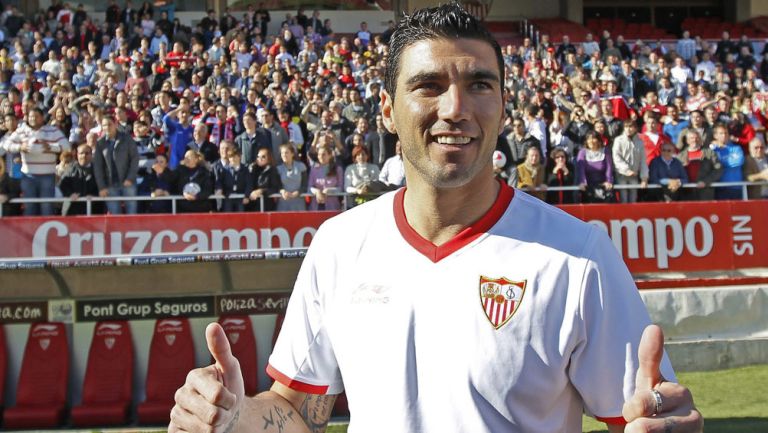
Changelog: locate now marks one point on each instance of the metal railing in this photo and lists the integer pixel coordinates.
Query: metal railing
(345, 197)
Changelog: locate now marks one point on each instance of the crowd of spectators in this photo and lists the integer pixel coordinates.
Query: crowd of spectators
(131, 102)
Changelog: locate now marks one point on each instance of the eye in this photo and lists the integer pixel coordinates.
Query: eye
(482, 85)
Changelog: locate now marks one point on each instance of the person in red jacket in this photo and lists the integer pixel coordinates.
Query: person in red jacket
(652, 138)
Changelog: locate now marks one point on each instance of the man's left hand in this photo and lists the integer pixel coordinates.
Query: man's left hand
(676, 412)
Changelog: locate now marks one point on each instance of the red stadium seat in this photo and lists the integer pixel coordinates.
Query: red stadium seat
(41, 394)
(240, 334)
(171, 357)
(108, 385)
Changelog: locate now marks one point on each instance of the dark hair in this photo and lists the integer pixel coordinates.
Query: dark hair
(447, 21)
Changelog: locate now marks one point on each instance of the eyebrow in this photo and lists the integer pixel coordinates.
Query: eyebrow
(479, 74)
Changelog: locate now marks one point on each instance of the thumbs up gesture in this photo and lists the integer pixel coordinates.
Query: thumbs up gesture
(211, 398)
(658, 405)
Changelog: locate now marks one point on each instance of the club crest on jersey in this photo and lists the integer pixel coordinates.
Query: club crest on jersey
(500, 298)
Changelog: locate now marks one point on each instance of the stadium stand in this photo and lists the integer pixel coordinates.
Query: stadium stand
(171, 357)
(41, 394)
(239, 331)
(108, 384)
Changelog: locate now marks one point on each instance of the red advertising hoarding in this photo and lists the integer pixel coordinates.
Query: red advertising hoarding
(653, 237)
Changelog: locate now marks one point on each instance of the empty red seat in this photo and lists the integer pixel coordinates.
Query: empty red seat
(240, 335)
(108, 384)
(41, 393)
(171, 357)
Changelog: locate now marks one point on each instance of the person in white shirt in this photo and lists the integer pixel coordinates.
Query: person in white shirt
(494, 312)
(393, 171)
(706, 65)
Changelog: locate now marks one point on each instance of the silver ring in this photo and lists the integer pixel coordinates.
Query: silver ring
(657, 397)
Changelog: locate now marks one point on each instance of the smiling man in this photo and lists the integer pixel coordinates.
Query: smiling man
(503, 314)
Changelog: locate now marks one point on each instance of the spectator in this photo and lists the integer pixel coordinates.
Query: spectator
(234, 179)
(79, 182)
(200, 143)
(701, 166)
(668, 171)
(361, 177)
(293, 177)
(325, 181)
(265, 180)
(39, 145)
(732, 158)
(529, 176)
(594, 171)
(393, 172)
(756, 169)
(252, 139)
(629, 162)
(560, 174)
(9, 190)
(278, 135)
(194, 182)
(116, 166)
(518, 140)
(179, 132)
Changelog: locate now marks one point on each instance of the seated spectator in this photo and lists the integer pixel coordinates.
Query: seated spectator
(756, 169)
(594, 171)
(293, 177)
(361, 178)
(668, 171)
(701, 165)
(559, 174)
(325, 178)
(194, 182)
(265, 181)
(529, 176)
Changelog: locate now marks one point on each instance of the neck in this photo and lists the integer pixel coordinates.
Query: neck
(439, 214)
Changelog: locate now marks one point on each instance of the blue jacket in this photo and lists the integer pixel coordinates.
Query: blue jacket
(732, 158)
(660, 172)
(177, 137)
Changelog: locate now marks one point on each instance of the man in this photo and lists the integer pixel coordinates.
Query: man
(732, 157)
(441, 363)
(79, 182)
(252, 139)
(115, 166)
(200, 143)
(40, 146)
(629, 161)
(179, 132)
(518, 140)
(756, 169)
(277, 134)
(668, 171)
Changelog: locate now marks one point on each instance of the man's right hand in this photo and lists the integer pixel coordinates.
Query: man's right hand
(212, 396)
(103, 192)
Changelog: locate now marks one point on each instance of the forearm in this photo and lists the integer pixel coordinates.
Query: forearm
(270, 412)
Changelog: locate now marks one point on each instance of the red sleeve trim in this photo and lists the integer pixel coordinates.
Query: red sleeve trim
(617, 420)
(295, 384)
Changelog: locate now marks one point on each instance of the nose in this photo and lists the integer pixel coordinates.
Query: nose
(454, 104)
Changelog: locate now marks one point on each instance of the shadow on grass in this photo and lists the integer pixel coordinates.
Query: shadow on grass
(730, 425)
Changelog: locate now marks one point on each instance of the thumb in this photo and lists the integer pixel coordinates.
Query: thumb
(649, 354)
(227, 365)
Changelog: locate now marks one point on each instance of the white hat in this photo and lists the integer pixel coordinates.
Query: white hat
(499, 159)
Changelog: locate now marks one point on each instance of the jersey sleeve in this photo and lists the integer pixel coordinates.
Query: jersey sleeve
(613, 317)
(303, 358)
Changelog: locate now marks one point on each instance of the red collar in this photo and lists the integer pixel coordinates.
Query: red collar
(436, 253)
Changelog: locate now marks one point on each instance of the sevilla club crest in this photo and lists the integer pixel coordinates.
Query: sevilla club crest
(500, 298)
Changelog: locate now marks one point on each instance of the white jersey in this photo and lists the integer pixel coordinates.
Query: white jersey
(518, 324)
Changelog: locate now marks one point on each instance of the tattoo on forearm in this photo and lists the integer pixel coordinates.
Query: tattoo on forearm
(316, 411)
(277, 417)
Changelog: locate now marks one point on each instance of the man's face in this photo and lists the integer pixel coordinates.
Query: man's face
(447, 110)
(84, 155)
(35, 119)
(757, 149)
(109, 127)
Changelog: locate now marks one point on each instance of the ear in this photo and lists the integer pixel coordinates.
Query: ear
(387, 112)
